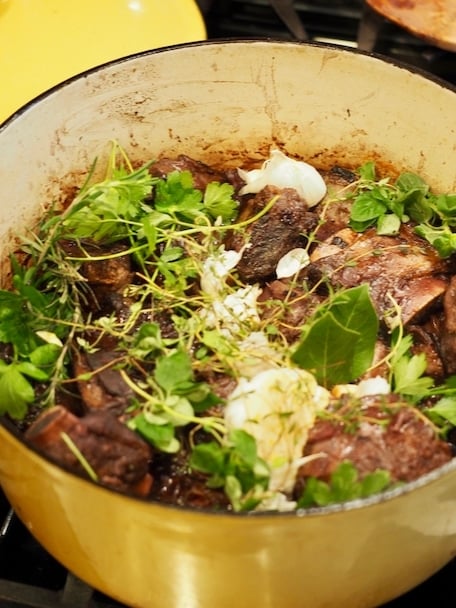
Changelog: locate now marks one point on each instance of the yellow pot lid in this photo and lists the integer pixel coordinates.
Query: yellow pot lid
(46, 41)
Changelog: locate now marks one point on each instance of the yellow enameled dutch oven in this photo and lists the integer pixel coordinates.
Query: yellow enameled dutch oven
(46, 41)
(221, 101)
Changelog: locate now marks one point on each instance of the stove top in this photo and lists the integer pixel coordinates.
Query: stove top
(29, 576)
(333, 21)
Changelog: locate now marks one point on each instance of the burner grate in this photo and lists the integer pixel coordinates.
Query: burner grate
(30, 577)
(333, 21)
(75, 594)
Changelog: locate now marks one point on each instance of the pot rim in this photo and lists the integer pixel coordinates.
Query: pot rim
(349, 505)
(355, 504)
(220, 42)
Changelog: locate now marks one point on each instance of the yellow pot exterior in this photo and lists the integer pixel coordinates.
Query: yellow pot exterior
(46, 41)
(216, 101)
(150, 556)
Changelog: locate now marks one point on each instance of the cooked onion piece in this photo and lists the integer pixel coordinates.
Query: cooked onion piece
(230, 311)
(255, 354)
(216, 268)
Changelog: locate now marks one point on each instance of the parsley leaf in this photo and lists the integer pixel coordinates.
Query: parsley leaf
(13, 319)
(407, 371)
(162, 436)
(440, 237)
(174, 372)
(177, 197)
(444, 408)
(16, 392)
(105, 210)
(235, 466)
(386, 205)
(218, 201)
(345, 484)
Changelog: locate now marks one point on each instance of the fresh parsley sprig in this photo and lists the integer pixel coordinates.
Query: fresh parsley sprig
(408, 371)
(408, 379)
(385, 205)
(234, 465)
(345, 484)
(106, 211)
(443, 412)
(169, 398)
(34, 322)
(177, 197)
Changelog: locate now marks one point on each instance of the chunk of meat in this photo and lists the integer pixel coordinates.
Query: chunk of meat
(334, 210)
(389, 436)
(427, 338)
(105, 388)
(112, 273)
(288, 306)
(176, 483)
(401, 268)
(202, 174)
(118, 456)
(448, 335)
(105, 276)
(222, 385)
(269, 238)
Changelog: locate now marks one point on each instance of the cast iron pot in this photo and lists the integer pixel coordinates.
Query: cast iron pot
(220, 101)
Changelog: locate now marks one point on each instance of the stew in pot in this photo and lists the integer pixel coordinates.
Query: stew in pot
(251, 339)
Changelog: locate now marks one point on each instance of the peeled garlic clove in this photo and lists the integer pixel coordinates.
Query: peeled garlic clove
(284, 172)
(292, 262)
